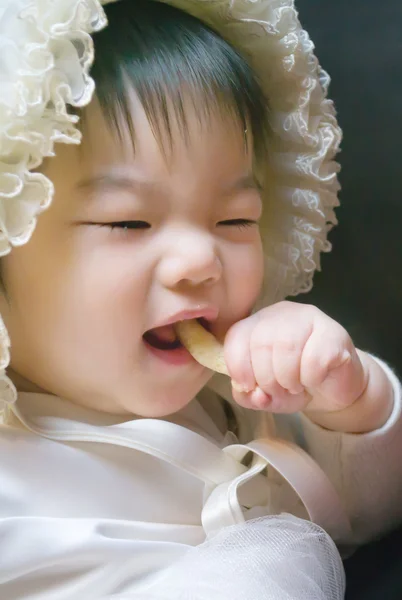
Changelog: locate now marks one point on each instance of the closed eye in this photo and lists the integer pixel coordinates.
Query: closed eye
(129, 225)
(239, 223)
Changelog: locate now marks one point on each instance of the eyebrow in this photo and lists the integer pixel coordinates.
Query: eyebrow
(111, 181)
(245, 182)
(117, 182)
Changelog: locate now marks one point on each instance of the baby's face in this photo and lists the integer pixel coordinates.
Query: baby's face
(131, 242)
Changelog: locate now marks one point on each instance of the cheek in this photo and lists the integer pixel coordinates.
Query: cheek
(84, 295)
(108, 288)
(245, 277)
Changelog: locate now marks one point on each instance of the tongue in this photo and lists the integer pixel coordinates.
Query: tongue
(164, 338)
(164, 334)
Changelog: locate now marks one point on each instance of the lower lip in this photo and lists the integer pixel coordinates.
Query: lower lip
(179, 356)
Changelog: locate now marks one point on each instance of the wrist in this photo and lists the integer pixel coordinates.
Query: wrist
(370, 411)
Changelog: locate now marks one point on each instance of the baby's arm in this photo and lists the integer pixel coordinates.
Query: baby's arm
(366, 468)
(294, 358)
(303, 361)
(370, 410)
(350, 405)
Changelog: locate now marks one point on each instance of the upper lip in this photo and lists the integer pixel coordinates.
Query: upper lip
(207, 312)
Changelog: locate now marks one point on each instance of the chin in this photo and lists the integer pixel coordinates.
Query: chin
(163, 403)
(161, 409)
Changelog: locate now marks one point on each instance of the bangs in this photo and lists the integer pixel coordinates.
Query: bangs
(173, 62)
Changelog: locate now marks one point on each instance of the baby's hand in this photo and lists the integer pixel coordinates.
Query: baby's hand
(292, 357)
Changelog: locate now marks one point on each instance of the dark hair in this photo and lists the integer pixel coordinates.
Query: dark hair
(168, 57)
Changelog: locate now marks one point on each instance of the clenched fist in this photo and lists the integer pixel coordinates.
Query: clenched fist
(292, 357)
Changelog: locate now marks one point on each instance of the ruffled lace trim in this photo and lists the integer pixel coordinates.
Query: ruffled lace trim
(301, 177)
(49, 52)
(46, 53)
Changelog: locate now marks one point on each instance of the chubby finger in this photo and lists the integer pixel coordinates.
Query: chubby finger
(261, 361)
(237, 356)
(281, 402)
(344, 383)
(264, 353)
(286, 360)
(254, 400)
(320, 359)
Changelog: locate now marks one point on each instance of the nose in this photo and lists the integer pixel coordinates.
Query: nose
(191, 260)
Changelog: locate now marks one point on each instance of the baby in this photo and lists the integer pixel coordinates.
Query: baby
(203, 190)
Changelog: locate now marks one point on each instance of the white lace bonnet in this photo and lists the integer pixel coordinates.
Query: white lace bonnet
(46, 52)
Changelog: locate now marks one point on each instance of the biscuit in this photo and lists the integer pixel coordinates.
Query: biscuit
(202, 345)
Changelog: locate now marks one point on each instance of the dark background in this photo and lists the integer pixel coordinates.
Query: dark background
(359, 42)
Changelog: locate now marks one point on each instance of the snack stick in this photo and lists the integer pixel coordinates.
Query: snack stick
(203, 347)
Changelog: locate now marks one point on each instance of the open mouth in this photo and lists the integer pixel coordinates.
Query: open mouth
(165, 338)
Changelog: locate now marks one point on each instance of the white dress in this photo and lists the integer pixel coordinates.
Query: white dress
(92, 507)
